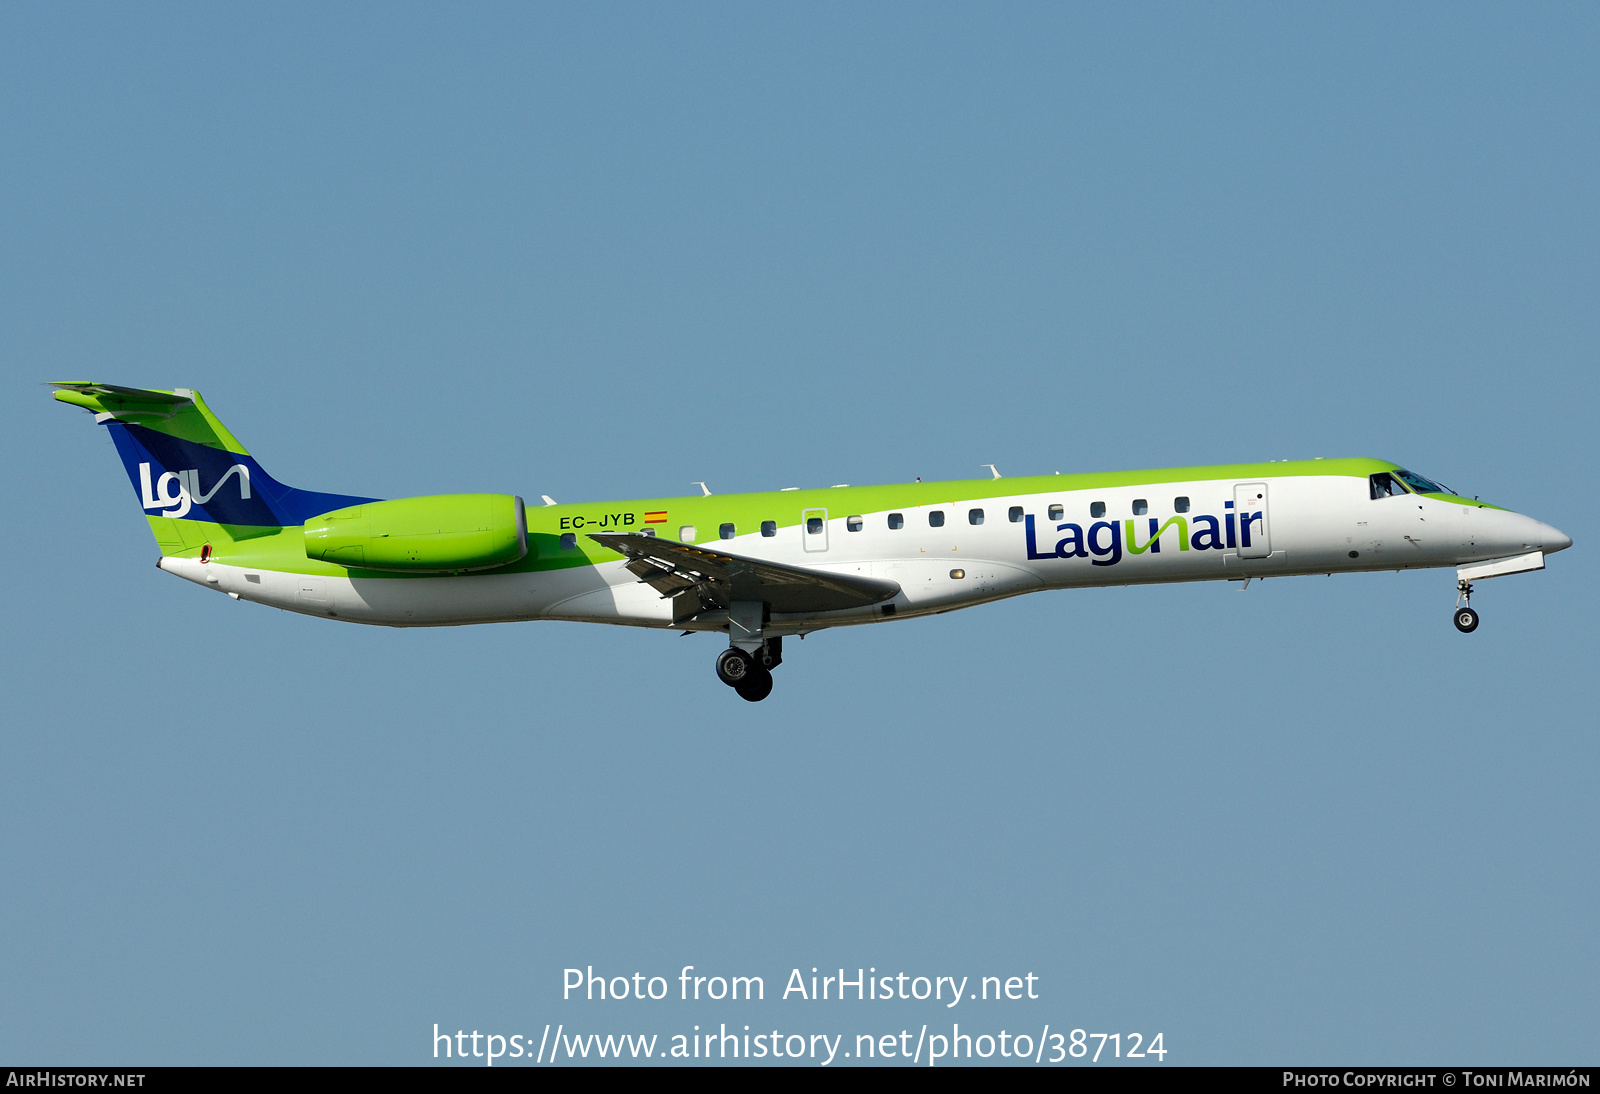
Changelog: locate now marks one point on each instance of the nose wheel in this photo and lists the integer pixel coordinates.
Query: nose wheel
(1466, 619)
(734, 666)
(748, 674)
(757, 688)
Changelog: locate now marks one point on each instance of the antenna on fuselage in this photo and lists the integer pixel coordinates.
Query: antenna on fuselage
(705, 491)
(993, 470)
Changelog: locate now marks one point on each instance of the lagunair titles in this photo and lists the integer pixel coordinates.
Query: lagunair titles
(1104, 541)
(760, 567)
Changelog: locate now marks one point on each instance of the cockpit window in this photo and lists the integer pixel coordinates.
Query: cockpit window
(1385, 485)
(1420, 484)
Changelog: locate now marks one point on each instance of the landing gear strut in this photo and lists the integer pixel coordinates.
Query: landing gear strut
(750, 672)
(1466, 619)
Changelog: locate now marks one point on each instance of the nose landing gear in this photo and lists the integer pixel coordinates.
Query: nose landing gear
(757, 688)
(734, 666)
(750, 673)
(1466, 619)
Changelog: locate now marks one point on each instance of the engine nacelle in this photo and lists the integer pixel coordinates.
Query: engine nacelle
(442, 533)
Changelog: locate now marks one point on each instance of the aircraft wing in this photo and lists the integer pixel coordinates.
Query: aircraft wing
(719, 578)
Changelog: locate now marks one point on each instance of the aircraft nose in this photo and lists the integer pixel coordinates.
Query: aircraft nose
(1554, 539)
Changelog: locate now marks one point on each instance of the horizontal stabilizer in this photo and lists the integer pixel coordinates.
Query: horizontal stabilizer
(673, 568)
(87, 387)
(126, 403)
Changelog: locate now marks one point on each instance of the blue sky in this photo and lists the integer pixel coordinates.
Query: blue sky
(605, 252)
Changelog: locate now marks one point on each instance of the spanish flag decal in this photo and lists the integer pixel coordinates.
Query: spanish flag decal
(656, 518)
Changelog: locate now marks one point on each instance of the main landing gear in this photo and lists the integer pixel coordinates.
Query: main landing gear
(750, 673)
(1466, 619)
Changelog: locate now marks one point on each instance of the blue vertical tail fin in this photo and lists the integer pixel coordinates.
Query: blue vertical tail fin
(185, 466)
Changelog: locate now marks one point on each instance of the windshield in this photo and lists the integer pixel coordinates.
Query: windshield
(1420, 484)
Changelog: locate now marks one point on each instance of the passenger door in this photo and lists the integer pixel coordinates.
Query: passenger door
(814, 529)
(1254, 519)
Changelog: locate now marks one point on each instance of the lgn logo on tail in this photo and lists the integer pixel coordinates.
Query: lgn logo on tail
(187, 484)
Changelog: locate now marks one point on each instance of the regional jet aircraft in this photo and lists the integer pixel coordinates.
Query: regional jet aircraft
(761, 567)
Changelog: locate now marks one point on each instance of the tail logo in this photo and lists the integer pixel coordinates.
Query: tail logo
(187, 485)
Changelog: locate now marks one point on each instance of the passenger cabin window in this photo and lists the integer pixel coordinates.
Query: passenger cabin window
(686, 534)
(974, 516)
(1015, 514)
(1384, 485)
(650, 532)
(936, 518)
(852, 524)
(1140, 507)
(1097, 509)
(813, 526)
(1180, 505)
(1056, 512)
(569, 541)
(726, 531)
(769, 528)
(897, 520)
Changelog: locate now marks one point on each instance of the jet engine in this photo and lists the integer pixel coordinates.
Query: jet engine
(444, 533)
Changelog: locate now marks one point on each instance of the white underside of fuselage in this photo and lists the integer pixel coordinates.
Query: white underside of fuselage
(1314, 524)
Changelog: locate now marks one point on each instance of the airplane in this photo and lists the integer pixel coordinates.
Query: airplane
(762, 567)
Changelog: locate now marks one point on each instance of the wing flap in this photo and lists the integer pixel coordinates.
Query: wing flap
(720, 577)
